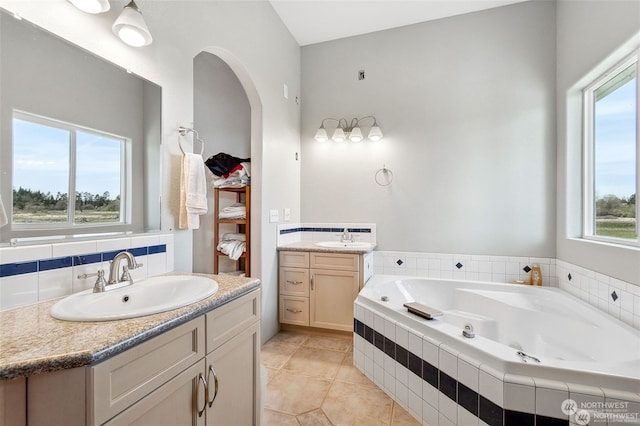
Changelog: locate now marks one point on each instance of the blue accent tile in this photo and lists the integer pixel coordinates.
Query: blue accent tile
(49, 264)
(459, 265)
(518, 418)
(399, 262)
(162, 248)
(368, 334)
(109, 255)
(389, 347)
(10, 269)
(415, 364)
(402, 356)
(468, 399)
(448, 386)
(614, 296)
(139, 251)
(86, 259)
(526, 269)
(430, 373)
(491, 413)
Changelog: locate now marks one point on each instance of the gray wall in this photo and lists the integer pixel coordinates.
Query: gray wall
(592, 36)
(223, 119)
(467, 107)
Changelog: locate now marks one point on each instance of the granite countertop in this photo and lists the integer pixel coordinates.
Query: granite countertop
(311, 246)
(33, 342)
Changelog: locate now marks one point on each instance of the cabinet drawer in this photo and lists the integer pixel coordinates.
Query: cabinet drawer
(334, 261)
(294, 282)
(122, 380)
(230, 319)
(294, 259)
(294, 310)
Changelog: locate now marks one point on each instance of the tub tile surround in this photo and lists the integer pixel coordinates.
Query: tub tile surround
(440, 386)
(34, 273)
(618, 298)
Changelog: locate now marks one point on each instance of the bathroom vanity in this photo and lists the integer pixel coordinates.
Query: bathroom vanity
(197, 365)
(317, 286)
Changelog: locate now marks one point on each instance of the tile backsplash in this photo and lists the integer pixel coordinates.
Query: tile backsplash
(34, 273)
(315, 232)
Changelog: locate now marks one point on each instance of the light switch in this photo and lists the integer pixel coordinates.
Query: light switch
(286, 214)
(273, 215)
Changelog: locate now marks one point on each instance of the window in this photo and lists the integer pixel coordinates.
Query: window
(611, 147)
(51, 160)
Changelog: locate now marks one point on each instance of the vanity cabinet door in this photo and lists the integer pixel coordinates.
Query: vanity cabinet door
(331, 299)
(177, 402)
(233, 378)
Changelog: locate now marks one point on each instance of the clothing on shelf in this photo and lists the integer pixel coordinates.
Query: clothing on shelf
(193, 191)
(234, 211)
(237, 177)
(233, 245)
(222, 164)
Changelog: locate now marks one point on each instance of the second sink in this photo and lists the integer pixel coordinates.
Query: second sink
(338, 244)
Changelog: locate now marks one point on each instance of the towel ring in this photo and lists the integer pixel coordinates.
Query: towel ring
(384, 176)
(183, 132)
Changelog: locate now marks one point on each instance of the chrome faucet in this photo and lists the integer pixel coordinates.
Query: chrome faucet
(346, 236)
(114, 267)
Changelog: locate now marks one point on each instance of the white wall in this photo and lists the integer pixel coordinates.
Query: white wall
(251, 38)
(589, 32)
(467, 107)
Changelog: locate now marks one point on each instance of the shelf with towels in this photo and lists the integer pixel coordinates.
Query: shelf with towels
(226, 226)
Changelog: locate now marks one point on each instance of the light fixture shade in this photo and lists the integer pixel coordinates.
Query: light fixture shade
(91, 6)
(375, 134)
(321, 135)
(338, 135)
(355, 135)
(131, 28)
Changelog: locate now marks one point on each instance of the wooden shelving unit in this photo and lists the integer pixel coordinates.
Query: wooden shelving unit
(242, 195)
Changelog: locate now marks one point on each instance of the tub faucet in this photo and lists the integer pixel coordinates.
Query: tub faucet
(346, 236)
(114, 268)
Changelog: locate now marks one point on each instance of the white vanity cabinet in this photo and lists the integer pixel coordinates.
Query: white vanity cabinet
(204, 372)
(317, 289)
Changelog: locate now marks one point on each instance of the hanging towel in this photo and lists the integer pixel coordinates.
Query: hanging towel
(3, 215)
(193, 191)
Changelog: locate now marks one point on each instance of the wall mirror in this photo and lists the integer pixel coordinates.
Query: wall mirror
(79, 139)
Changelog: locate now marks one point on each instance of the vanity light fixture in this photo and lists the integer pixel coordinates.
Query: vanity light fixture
(131, 28)
(349, 130)
(91, 6)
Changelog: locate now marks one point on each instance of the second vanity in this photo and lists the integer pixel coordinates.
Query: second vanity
(317, 285)
(196, 365)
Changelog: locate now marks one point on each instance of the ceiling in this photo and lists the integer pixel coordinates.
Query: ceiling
(316, 21)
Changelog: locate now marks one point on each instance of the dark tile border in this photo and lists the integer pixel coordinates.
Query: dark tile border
(475, 403)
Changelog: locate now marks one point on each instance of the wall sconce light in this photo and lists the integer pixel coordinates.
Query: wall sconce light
(131, 28)
(348, 130)
(92, 6)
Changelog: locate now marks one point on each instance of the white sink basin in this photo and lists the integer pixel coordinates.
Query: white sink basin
(144, 297)
(338, 244)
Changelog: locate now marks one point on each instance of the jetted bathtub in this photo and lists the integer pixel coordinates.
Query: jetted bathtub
(539, 338)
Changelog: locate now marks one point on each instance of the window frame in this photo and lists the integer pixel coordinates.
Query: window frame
(588, 144)
(71, 227)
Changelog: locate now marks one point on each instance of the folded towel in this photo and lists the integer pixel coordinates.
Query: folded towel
(239, 177)
(230, 236)
(234, 211)
(232, 248)
(193, 191)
